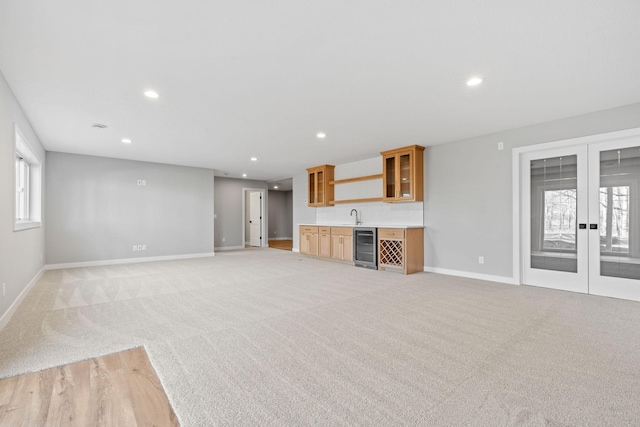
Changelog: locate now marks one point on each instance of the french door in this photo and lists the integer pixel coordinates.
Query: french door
(580, 209)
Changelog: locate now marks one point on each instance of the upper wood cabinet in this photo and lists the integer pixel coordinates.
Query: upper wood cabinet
(402, 174)
(320, 192)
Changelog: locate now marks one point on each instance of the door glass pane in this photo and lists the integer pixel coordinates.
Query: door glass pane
(619, 221)
(312, 188)
(390, 185)
(320, 187)
(554, 214)
(405, 175)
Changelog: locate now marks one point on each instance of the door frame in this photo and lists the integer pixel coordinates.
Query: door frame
(263, 207)
(517, 155)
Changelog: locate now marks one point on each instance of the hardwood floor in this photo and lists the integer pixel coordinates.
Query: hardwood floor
(285, 245)
(120, 389)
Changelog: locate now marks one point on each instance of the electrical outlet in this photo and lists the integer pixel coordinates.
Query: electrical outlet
(4, 289)
(135, 248)
(139, 182)
(500, 145)
(139, 247)
(480, 260)
(144, 247)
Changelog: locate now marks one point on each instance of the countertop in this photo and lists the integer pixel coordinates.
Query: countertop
(363, 225)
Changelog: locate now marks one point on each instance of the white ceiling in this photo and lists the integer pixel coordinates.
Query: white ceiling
(252, 78)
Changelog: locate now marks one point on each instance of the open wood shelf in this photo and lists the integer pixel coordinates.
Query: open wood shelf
(372, 199)
(355, 179)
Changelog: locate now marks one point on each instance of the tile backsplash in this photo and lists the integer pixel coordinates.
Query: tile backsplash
(378, 213)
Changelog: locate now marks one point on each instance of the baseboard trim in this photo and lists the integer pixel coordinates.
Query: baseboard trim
(229, 248)
(4, 319)
(280, 238)
(470, 275)
(295, 249)
(126, 261)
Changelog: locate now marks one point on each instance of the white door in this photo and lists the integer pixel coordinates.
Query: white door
(581, 218)
(554, 204)
(614, 207)
(255, 219)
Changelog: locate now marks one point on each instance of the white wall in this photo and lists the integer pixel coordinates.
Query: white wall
(21, 252)
(468, 191)
(97, 211)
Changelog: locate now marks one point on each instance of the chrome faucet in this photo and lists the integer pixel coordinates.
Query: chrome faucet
(358, 222)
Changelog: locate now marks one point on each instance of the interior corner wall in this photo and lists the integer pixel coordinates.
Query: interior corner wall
(280, 214)
(229, 220)
(96, 211)
(21, 252)
(468, 191)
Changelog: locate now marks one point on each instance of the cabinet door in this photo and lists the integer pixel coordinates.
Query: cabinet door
(312, 188)
(347, 248)
(335, 246)
(309, 244)
(405, 176)
(304, 244)
(320, 188)
(324, 245)
(390, 177)
(313, 244)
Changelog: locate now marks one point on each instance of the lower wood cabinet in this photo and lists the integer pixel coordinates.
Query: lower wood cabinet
(309, 240)
(334, 243)
(342, 243)
(401, 249)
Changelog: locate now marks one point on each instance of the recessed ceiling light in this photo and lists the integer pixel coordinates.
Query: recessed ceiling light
(244, 175)
(126, 140)
(99, 126)
(474, 81)
(254, 159)
(321, 135)
(151, 94)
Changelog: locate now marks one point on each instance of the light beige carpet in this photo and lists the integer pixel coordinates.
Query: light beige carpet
(268, 337)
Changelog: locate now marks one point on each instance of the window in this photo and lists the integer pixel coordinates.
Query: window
(614, 219)
(560, 220)
(27, 185)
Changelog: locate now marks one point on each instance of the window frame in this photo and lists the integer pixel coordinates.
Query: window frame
(33, 184)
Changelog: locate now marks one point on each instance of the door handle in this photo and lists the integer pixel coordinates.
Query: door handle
(582, 226)
(593, 226)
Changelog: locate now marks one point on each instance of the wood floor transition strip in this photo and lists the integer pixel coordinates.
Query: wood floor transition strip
(120, 389)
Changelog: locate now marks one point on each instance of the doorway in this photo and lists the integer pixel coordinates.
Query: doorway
(579, 215)
(253, 210)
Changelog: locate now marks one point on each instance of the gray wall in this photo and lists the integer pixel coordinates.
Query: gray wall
(21, 252)
(97, 211)
(230, 220)
(280, 214)
(468, 190)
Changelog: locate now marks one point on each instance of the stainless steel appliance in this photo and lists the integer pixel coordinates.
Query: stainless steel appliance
(365, 247)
